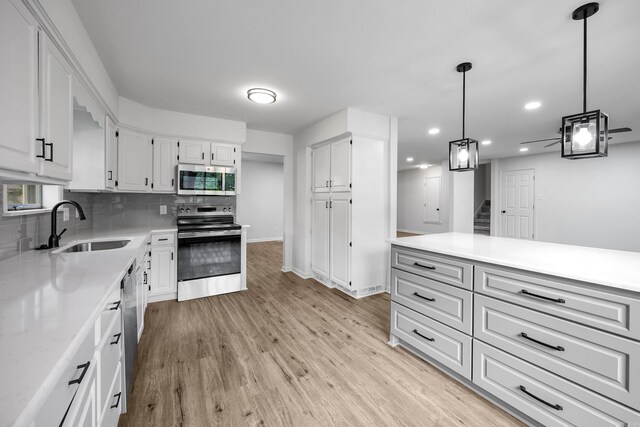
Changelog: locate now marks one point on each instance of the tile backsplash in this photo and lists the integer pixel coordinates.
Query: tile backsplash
(104, 212)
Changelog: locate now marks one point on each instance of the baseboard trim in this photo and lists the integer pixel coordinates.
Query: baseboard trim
(163, 297)
(266, 239)
(301, 273)
(286, 268)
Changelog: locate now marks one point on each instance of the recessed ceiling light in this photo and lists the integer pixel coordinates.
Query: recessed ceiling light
(423, 166)
(486, 142)
(409, 159)
(532, 105)
(261, 96)
(434, 131)
(523, 149)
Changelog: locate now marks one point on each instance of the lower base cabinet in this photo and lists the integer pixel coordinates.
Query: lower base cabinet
(113, 404)
(83, 409)
(163, 274)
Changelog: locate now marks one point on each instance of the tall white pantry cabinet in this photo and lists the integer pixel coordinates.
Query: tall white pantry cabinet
(348, 215)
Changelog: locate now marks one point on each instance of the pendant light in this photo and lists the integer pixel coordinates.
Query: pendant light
(463, 153)
(585, 135)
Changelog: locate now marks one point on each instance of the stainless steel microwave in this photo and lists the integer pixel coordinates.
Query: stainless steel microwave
(203, 180)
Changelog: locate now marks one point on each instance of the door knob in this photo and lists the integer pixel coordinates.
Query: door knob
(504, 211)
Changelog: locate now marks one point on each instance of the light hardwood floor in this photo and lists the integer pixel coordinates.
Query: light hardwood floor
(288, 352)
(403, 234)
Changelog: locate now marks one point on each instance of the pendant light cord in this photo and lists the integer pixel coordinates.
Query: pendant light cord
(464, 91)
(584, 70)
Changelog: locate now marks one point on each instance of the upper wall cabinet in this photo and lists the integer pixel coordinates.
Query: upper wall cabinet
(56, 112)
(194, 152)
(19, 88)
(111, 154)
(223, 154)
(332, 167)
(164, 164)
(134, 161)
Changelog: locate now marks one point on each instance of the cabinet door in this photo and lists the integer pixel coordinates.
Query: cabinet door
(432, 199)
(134, 158)
(321, 168)
(83, 410)
(56, 111)
(221, 154)
(111, 154)
(340, 238)
(19, 88)
(163, 271)
(320, 235)
(194, 152)
(164, 165)
(237, 163)
(340, 179)
(140, 291)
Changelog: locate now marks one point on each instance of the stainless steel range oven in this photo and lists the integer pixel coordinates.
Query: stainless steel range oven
(210, 252)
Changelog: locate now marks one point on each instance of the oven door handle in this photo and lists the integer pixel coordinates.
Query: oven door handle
(190, 235)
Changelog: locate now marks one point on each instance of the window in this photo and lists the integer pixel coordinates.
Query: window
(23, 196)
(25, 199)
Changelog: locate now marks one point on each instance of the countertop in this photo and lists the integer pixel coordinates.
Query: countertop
(48, 302)
(616, 269)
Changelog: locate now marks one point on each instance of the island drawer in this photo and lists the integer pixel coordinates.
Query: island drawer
(444, 344)
(543, 396)
(602, 362)
(446, 270)
(609, 311)
(447, 304)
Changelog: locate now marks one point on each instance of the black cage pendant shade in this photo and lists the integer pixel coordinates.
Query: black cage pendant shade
(585, 135)
(463, 153)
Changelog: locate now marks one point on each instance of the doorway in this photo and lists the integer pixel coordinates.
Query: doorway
(482, 200)
(517, 207)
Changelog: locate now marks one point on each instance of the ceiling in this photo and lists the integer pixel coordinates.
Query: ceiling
(394, 58)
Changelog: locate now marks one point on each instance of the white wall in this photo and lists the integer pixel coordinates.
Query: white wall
(261, 204)
(591, 202)
(411, 200)
(461, 202)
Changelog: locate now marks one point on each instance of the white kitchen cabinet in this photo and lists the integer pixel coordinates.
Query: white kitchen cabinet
(340, 177)
(164, 165)
(321, 168)
(163, 280)
(221, 154)
(194, 152)
(134, 161)
(111, 154)
(83, 410)
(56, 112)
(321, 231)
(356, 222)
(19, 88)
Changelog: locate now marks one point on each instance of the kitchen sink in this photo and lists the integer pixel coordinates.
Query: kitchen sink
(97, 245)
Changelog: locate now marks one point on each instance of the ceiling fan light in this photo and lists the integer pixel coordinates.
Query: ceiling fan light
(585, 135)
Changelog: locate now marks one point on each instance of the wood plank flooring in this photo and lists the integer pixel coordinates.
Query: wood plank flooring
(288, 352)
(403, 234)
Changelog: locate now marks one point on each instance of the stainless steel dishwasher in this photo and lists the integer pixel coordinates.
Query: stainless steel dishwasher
(129, 285)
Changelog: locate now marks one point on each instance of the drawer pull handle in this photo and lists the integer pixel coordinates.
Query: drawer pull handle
(84, 368)
(415, 331)
(428, 267)
(117, 396)
(553, 347)
(117, 338)
(423, 297)
(163, 239)
(556, 406)
(559, 300)
(116, 305)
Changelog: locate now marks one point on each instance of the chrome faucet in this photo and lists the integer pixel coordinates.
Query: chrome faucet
(54, 238)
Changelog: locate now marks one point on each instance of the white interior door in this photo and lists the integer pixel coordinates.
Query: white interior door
(340, 165)
(320, 235)
(340, 237)
(432, 191)
(517, 204)
(321, 157)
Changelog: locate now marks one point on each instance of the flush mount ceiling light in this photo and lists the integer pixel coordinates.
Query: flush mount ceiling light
(261, 96)
(409, 159)
(586, 134)
(463, 153)
(523, 149)
(532, 105)
(423, 166)
(434, 131)
(486, 142)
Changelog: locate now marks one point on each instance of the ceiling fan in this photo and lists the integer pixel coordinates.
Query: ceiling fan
(588, 131)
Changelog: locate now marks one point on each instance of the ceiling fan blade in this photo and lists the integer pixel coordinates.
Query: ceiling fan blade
(618, 130)
(541, 140)
(553, 143)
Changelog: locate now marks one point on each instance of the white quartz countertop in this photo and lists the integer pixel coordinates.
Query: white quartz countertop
(617, 269)
(48, 302)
